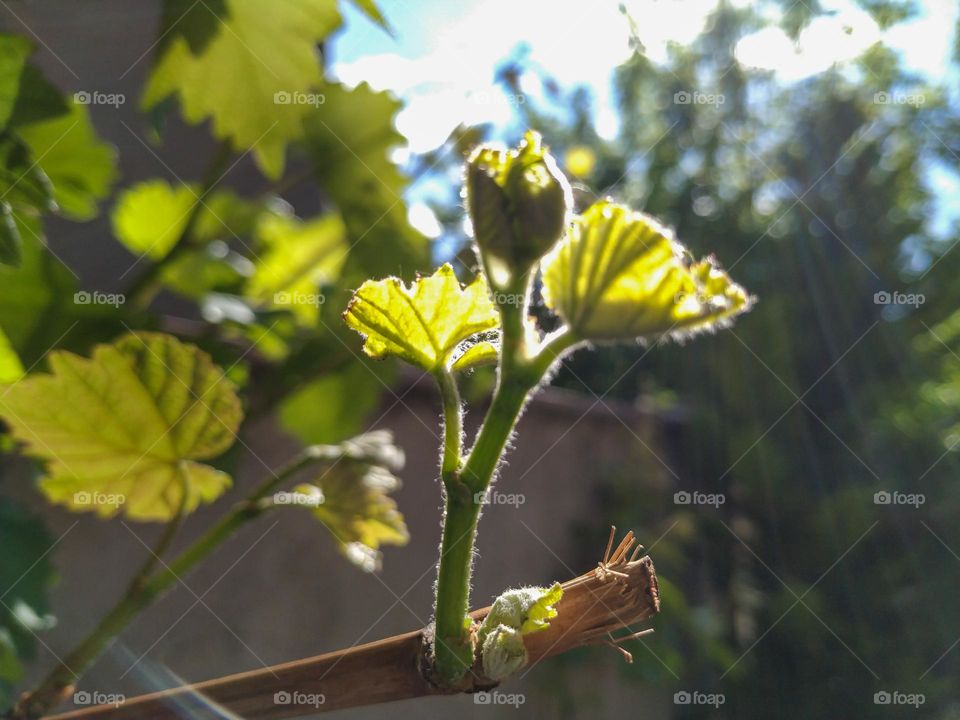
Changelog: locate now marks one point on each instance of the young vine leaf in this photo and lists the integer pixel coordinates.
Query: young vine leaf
(122, 430)
(423, 324)
(514, 614)
(251, 66)
(619, 274)
(353, 502)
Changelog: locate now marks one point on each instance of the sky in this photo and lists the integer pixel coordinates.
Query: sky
(442, 56)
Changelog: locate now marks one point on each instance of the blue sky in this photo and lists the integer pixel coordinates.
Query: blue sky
(442, 56)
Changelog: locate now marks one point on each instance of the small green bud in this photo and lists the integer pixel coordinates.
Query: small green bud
(519, 203)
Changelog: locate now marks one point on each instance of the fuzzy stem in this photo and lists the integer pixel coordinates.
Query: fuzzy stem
(519, 374)
(145, 588)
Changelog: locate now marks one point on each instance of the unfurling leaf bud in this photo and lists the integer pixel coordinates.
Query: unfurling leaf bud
(519, 203)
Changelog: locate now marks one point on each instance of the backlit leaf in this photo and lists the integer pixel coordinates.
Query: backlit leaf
(295, 259)
(122, 431)
(423, 323)
(149, 217)
(619, 274)
(250, 66)
(352, 498)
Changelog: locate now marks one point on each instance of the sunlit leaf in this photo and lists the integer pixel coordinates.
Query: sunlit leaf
(477, 355)
(149, 217)
(619, 274)
(423, 323)
(250, 66)
(352, 499)
(351, 139)
(122, 430)
(295, 259)
(11, 368)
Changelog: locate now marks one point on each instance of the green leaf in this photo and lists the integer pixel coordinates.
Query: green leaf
(514, 614)
(250, 66)
(527, 609)
(619, 274)
(25, 186)
(150, 216)
(14, 51)
(11, 368)
(352, 499)
(38, 99)
(80, 166)
(36, 299)
(297, 258)
(477, 355)
(10, 242)
(122, 430)
(334, 405)
(424, 323)
(350, 139)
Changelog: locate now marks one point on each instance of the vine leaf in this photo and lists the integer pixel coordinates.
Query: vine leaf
(425, 323)
(350, 139)
(619, 274)
(297, 257)
(121, 431)
(514, 614)
(149, 217)
(14, 51)
(250, 66)
(352, 498)
(11, 369)
(477, 355)
(80, 166)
